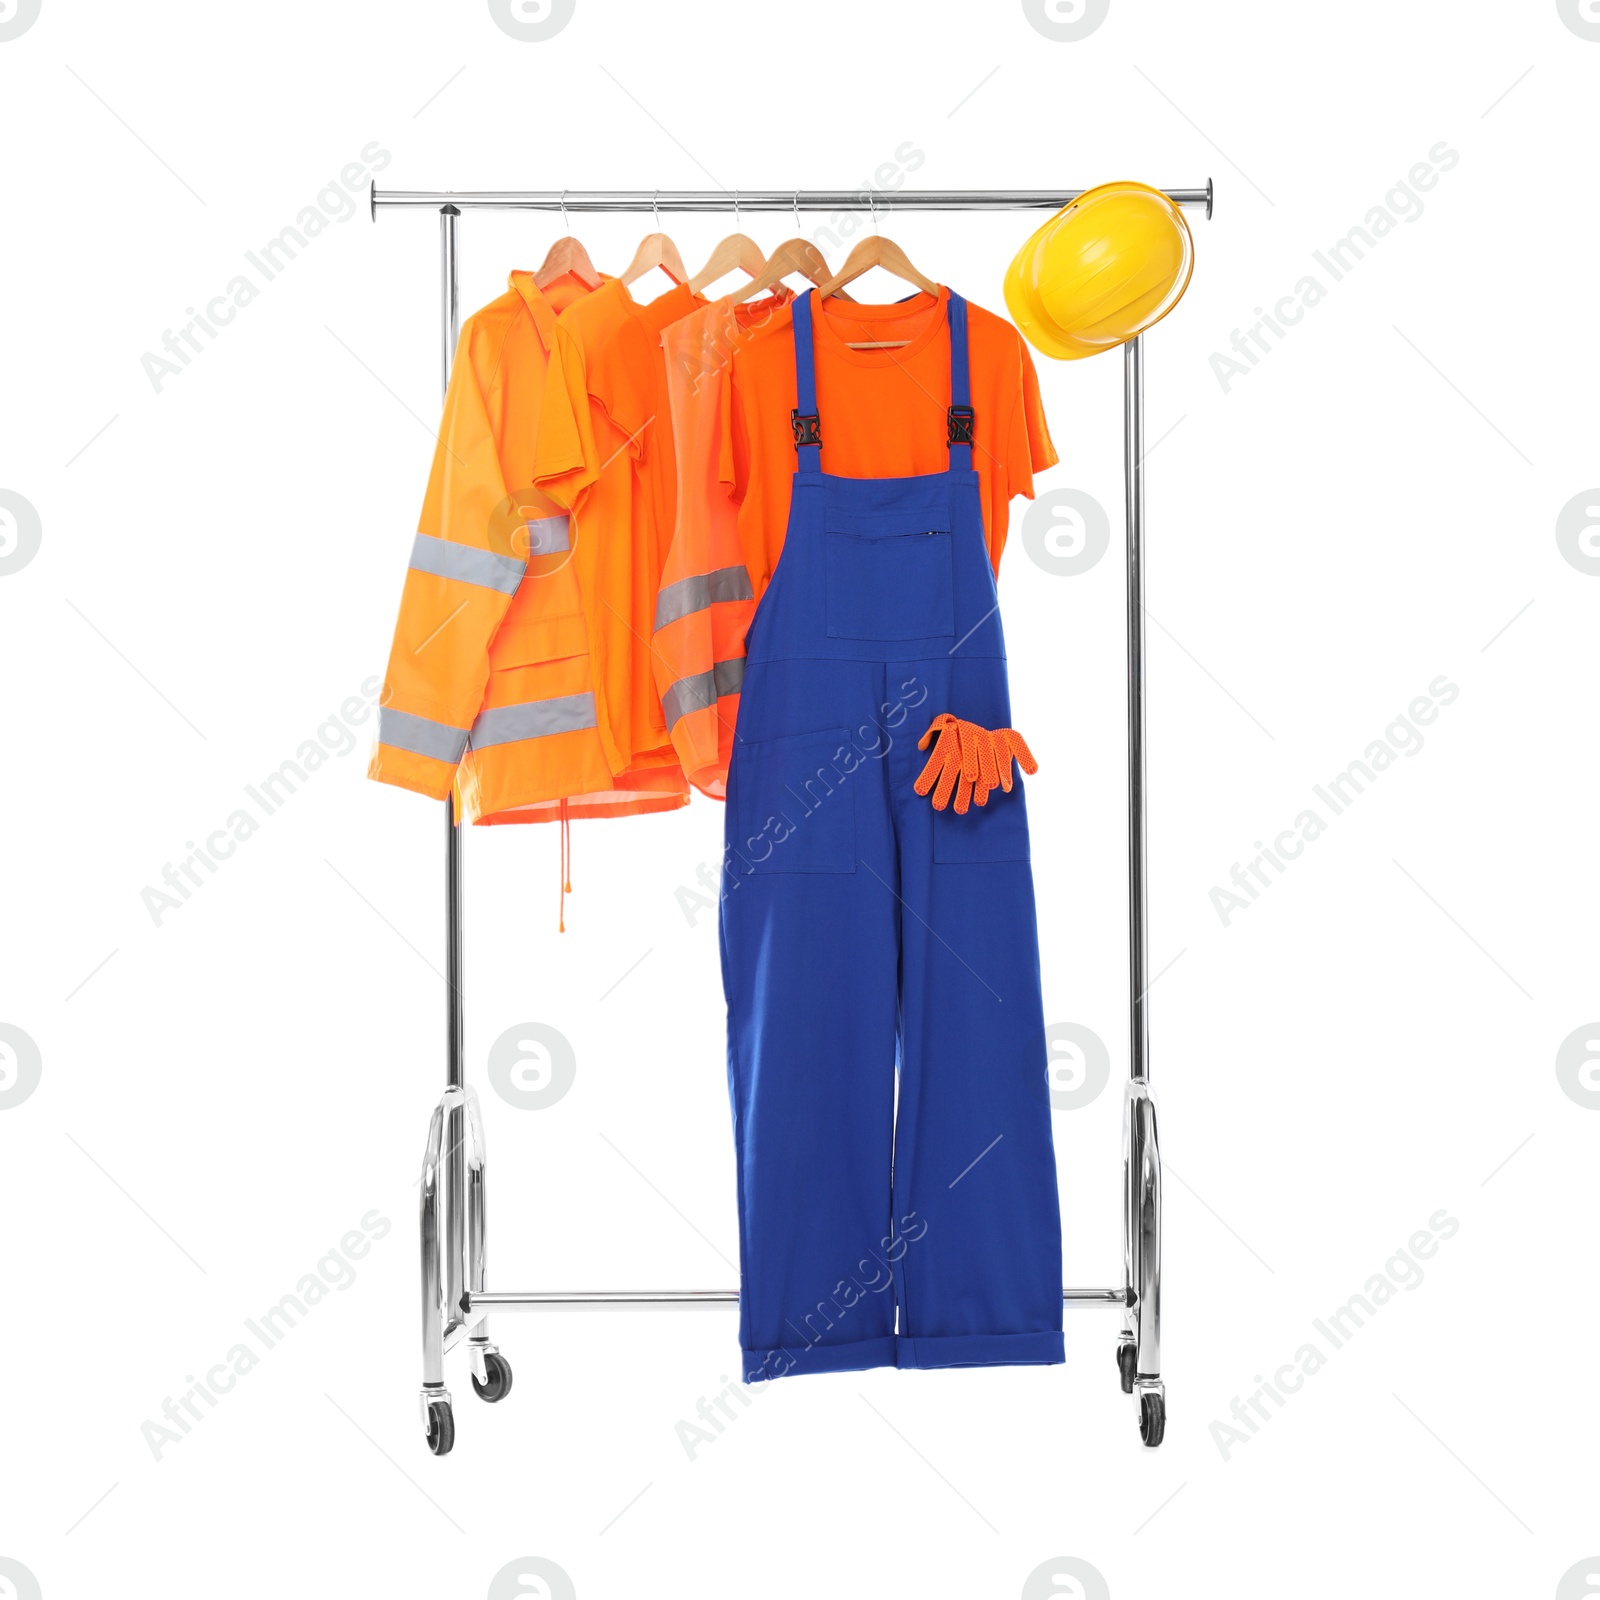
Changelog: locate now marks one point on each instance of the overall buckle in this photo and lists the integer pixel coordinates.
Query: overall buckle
(807, 428)
(962, 419)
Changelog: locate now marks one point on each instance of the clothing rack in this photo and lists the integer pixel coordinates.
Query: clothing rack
(456, 1299)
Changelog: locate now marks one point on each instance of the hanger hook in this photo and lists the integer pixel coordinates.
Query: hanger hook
(797, 211)
(655, 206)
(872, 200)
(737, 224)
(566, 227)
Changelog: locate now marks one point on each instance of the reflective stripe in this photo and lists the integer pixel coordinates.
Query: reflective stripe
(730, 675)
(546, 535)
(421, 735)
(444, 558)
(702, 689)
(688, 595)
(533, 719)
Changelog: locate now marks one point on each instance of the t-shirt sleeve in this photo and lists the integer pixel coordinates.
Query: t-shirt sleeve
(621, 366)
(566, 460)
(1029, 448)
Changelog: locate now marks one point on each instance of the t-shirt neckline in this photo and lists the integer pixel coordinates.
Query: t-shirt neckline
(935, 310)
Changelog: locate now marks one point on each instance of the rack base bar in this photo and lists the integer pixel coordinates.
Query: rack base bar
(485, 1300)
(611, 1299)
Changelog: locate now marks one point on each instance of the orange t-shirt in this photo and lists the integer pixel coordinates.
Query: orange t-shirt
(606, 384)
(882, 412)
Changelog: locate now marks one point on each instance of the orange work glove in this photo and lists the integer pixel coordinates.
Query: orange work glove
(979, 758)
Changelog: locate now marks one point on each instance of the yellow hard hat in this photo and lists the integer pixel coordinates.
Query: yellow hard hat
(1101, 271)
(1022, 301)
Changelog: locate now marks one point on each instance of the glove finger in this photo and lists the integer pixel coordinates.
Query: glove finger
(1019, 747)
(980, 775)
(969, 750)
(937, 762)
(988, 765)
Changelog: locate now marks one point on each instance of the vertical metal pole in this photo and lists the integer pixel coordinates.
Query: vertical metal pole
(455, 1184)
(455, 1032)
(1138, 937)
(432, 1282)
(1141, 1232)
(451, 290)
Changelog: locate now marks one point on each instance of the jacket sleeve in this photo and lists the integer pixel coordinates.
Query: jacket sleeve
(466, 563)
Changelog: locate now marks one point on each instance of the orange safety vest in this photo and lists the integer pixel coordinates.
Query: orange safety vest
(490, 689)
(706, 600)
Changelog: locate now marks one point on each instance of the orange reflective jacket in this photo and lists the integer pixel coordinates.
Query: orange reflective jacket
(490, 688)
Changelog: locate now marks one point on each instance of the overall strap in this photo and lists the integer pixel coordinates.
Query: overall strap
(961, 416)
(803, 419)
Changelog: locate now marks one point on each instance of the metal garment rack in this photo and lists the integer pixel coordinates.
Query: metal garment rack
(456, 1299)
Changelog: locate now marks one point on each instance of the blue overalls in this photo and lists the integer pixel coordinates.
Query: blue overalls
(871, 944)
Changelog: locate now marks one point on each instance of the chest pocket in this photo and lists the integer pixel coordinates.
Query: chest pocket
(891, 576)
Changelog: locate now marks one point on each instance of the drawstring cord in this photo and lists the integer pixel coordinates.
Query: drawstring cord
(566, 868)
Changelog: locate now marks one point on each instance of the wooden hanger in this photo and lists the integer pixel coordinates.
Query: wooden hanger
(656, 250)
(877, 252)
(737, 250)
(793, 255)
(567, 256)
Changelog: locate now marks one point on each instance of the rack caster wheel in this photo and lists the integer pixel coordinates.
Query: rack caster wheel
(1127, 1365)
(496, 1383)
(1152, 1418)
(441, 1427)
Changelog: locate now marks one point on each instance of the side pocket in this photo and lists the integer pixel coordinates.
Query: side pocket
(792, 805)
(997, 831)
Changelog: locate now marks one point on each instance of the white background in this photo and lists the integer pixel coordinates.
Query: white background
(224, 1096)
